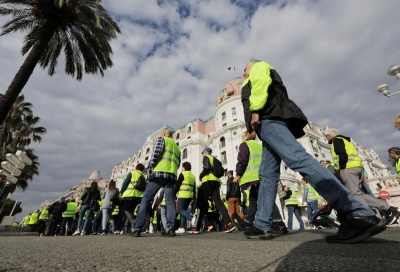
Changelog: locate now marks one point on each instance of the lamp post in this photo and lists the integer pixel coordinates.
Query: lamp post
(393, 70)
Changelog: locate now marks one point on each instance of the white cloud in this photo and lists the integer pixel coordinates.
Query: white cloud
(330, 54)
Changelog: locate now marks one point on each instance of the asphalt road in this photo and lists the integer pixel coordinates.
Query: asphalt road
(297, 251)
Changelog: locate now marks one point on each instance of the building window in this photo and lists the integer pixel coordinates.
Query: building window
(146, 158)
(189, 130)
(223, 157)
(184, 155)
(234, 111)
(222, 142)
(177, 136)
(148, 151)
(223, 115)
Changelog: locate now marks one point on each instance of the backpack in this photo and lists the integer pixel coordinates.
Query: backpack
(217, 168)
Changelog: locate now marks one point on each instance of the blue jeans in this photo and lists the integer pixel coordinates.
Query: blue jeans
(84, 209)
(279, 144)
(106, 218)
(312, 208)
(96, 222)
(183, 204)
(152, 188)
(296, 211)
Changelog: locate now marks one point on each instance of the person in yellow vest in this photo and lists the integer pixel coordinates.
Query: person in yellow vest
(311, 197)
(347, 161)
(67, 218)
(247, 176)
(25, 221)
(292, 206)
(132, 191)
(186, 191)
(42, 221)
(279, 122)
(116, 220)
(162, 171)
(33, 220)
(210, 187)
(394, 154)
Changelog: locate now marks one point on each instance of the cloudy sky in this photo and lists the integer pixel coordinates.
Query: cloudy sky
(171, 60)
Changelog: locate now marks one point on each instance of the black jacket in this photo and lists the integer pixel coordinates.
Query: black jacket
(232, 189)
(278, 107)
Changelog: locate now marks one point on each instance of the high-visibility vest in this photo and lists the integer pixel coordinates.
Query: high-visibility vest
(253, 166)
(312, 194)
(70, 212)
(115, 211)
(33, 218)
(130, 190)
(211, 206)
(170, 159)
(210, 176)
(292, 200)
(44, 215)
(246, 196)
(353, 159)
(398, 168)
(26, 220)
(188, 183)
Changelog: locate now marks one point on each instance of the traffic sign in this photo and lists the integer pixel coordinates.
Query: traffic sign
(384, 194)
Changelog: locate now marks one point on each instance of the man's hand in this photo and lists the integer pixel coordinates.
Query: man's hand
(255, 120)
(236, 179)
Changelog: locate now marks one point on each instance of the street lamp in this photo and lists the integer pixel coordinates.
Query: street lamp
(393, 70)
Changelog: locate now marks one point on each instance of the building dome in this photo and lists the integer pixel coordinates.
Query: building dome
(232, 88)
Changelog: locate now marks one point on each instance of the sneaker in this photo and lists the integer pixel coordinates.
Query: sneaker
(180, 230)
(170, 232)
(392, 214)
(279, 227)
(103, 232)
(117, 232)
(94, 233)
(246, 225)
(83, 233)
(193, 231)
(231, 229)
(136, 233)
(77, 232)
(356, 229)
(256, 233)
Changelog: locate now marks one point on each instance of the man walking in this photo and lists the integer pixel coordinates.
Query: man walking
(292, 206)
(311, 197)
(162, 172)
(278, 121)
(347, 161)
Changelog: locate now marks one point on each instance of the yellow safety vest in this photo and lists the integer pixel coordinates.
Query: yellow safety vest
(292, 200)
(33, 218)
(312, 194)
(353, 159)
(253, 166)
(169, 162)
(44, 215)
(115, 211)
(26, 220)
(210, 176)
(398, 168)
(130, 190)
(188, 183)
(70, 212)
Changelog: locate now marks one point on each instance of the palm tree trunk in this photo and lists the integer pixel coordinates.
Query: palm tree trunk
(25, 71)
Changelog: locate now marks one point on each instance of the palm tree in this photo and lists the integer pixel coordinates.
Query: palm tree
(81, 28)
(19, 128)
(15, 117)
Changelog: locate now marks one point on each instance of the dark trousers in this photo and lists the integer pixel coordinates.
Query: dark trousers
(64, 222)
(251, 212)
(206, 190)
(54, 220)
